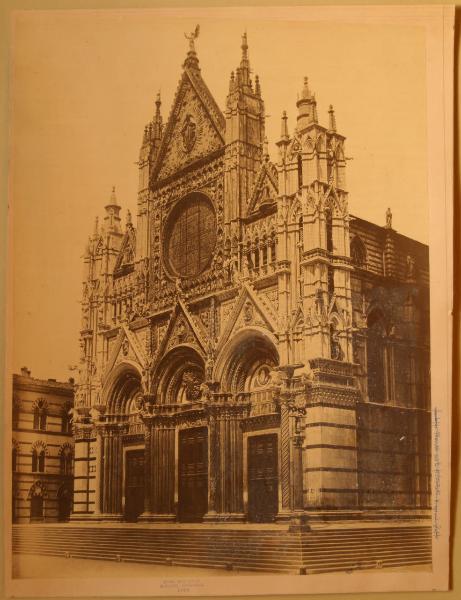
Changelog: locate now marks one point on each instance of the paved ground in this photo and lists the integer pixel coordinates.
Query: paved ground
(30, 566)
(27, 566)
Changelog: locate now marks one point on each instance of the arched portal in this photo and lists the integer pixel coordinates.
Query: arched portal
(181, 373)
(245, 365)
(247, 360)
(123, 388)
(122, 465)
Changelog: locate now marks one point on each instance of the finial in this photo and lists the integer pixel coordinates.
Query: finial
(231, 82)
(331, 112)
(158, 103)
(305, 94)
(244, 45)
(266, 148)
(96, 226)
(192, 60)
(113, 197)
(257, 86)
(284, 133)
(128, 217)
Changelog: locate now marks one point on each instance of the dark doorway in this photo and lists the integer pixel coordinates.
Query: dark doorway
(36, 508)
(193, 474)
(134, 484)
(64, 504)
(262, 478)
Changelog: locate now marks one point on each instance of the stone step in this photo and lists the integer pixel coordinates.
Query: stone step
(255, 545)
(324, 551)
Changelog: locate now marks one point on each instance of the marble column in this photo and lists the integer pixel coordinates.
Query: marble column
(112, 472)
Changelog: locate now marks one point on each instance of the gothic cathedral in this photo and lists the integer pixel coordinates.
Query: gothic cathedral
(250, 351)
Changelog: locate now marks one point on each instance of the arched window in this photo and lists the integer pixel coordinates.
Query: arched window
(66, 422)
(358, 252)
(265, 253)
(41, 461)
(300, 171)
(329, 229)
(38, 459)
(40, 415)
(66, 461)
(42, 421)
(36, 417)
(376, 357)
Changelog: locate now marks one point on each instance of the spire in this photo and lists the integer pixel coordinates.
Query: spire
(284, 137)
(332, 121)
(157, 122)
(113, 198)
(96, 227)
(112, 219)
(306, 93)
(128, 219)
(191, 61)
(307, 107)
(244, 70)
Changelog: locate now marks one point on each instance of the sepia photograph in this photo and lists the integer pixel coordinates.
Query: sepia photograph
(229, 350)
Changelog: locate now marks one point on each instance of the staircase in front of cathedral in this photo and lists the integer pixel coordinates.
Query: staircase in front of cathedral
(275, 550)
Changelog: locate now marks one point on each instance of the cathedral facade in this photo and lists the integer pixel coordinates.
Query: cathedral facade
(250, 351)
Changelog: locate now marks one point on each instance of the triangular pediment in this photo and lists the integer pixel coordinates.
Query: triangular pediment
(125, 349)
(248, 311)
(265, 190)
(181, 329)
(195, 128)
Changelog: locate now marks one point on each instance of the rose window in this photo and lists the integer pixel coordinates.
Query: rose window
(190, 236)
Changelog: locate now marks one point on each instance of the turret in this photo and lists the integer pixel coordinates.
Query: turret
(112, 217)
(307, 108)
(245, 120)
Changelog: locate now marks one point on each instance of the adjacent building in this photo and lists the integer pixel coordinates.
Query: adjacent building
(250, 351)
(42, 449)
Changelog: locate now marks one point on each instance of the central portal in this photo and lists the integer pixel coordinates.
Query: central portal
(134, 485)
(262, 478)
(193, 474)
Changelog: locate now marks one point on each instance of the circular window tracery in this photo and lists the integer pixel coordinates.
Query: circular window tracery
(190, 236)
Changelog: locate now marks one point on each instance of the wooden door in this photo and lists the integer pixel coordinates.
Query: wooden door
(193, 474)
(262, 478)
(134, 484)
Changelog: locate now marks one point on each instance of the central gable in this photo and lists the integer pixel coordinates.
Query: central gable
(194, 130)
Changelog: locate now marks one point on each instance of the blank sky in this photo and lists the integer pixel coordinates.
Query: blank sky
(83, 88)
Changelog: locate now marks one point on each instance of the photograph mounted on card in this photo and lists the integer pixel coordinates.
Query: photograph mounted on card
(234, 308)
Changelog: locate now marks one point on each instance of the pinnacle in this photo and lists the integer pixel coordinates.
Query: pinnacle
(113, 197)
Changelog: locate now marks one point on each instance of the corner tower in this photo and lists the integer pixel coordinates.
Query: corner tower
(245, 120)
(311, 174)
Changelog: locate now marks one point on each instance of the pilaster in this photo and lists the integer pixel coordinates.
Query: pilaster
(225, 498)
